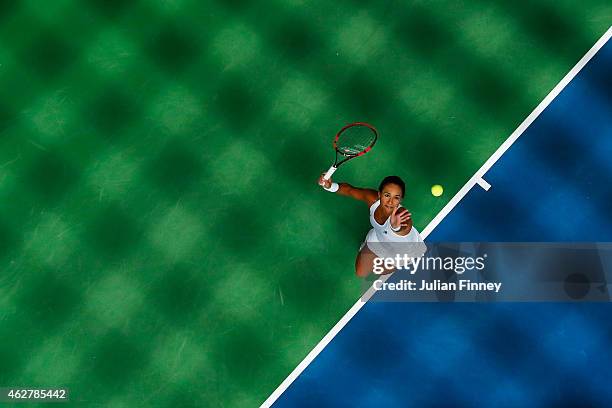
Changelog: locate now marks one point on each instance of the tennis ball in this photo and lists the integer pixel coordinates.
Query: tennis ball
(437, 190)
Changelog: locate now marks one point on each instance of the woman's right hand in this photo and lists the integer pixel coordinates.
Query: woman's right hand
(324, 183)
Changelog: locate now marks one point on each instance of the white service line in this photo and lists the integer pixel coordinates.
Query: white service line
(483, 183)
(475, 179)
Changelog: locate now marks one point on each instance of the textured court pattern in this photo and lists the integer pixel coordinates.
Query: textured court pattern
(161, 237)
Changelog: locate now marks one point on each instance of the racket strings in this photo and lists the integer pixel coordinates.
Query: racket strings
(355, 140)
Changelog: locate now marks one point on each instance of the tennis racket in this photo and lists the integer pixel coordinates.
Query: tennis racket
(352, 141)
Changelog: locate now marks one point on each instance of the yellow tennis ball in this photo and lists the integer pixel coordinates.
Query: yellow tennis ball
(437, 190)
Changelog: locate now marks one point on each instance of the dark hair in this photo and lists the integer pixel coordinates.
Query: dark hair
(392, 180)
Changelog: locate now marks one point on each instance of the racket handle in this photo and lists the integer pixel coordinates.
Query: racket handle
(329, 173)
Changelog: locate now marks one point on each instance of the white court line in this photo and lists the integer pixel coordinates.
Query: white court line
(443, 213)
(483, 183)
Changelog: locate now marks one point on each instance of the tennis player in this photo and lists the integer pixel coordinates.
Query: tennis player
(391, 223)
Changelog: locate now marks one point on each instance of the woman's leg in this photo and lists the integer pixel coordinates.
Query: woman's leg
(364, 264)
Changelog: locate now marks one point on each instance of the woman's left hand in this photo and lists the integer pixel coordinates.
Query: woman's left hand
(400, 217)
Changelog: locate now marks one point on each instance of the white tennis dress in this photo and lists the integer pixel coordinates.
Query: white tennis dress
(380, 238)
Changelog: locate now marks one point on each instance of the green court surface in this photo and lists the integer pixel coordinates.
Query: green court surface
(162, 238)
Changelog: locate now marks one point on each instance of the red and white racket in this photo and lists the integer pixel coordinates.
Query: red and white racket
(352, 141)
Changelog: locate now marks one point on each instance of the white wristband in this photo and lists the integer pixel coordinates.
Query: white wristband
(393, 229)
(333, 188)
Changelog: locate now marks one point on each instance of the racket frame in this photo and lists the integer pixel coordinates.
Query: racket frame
(348, 157)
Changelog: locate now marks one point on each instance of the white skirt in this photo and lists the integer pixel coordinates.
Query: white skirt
(391, 245)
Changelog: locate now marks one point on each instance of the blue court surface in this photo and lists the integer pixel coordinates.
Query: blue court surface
(553, 184)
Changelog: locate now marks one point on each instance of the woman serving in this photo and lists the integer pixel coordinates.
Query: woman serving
(391, 223)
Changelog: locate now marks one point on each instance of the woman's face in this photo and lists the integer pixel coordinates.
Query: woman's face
(390, 197)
